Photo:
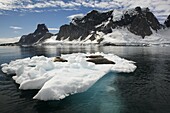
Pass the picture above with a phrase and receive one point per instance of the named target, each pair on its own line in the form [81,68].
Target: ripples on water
[147,90]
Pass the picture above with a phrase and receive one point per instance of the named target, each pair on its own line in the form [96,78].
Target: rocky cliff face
[80,28]
[39,35]
[143,22]
[167,22]
[138,21]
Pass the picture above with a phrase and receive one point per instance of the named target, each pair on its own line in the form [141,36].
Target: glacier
[57,80]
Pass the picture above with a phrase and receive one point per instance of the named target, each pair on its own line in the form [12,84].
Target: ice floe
[56,80]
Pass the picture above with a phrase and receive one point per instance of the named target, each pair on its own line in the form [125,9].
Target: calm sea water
[147,90]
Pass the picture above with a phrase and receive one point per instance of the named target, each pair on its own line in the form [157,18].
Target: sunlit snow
[56,80]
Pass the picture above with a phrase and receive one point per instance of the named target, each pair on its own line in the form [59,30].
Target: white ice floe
[56,80]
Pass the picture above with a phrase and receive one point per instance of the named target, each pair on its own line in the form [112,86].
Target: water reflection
[50,51]
[147,90]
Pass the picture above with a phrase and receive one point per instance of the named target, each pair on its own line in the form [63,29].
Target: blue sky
[19,17]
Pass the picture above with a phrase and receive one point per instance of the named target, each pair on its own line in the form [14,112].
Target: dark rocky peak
[96,15]
[73,32]
[82,27]
[92,13]
[138,9]
[39,35]
[140,26]
[143,22]
[91,16]
[127,16]
[41,28]
[167,21]
[152,21]
[94,18]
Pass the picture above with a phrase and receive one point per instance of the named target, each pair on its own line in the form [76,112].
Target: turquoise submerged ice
[56,80]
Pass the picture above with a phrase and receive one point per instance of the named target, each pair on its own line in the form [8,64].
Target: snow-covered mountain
[137,26]
[119,37]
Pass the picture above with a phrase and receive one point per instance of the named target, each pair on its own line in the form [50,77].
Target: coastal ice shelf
[57,80]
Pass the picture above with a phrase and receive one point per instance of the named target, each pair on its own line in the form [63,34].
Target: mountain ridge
[137,20]
[101,27]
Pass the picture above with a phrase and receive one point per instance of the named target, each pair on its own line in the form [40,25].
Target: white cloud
[29,4]
[15,27]
[49,5]
[105,4]
[75,16]
[53,29]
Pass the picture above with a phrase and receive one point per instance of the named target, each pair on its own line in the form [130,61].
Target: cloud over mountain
[53,29]
[157,6]
[75,16]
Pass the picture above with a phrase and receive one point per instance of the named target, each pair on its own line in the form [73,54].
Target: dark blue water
[147,90]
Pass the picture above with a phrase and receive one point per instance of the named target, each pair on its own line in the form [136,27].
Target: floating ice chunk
[73,81]
[56,80]
[47,65]
[33,74]
[83,63]
[75,65]
[34,84]
[71,60]
[4,65]
[9,70]
[20,70]
[42,71]
[126,68]
[39,58]
[21,78]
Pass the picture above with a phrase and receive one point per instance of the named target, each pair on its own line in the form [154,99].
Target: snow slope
[120,37]
[56,80]
[124,37]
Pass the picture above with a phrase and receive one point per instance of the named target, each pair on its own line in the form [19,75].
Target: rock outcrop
[167,22]
[80,28]
[143,22]
[40,34]
[138,21]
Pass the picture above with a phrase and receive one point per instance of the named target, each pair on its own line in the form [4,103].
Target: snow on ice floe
[56,80]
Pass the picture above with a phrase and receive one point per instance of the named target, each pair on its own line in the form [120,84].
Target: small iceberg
[62,76]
